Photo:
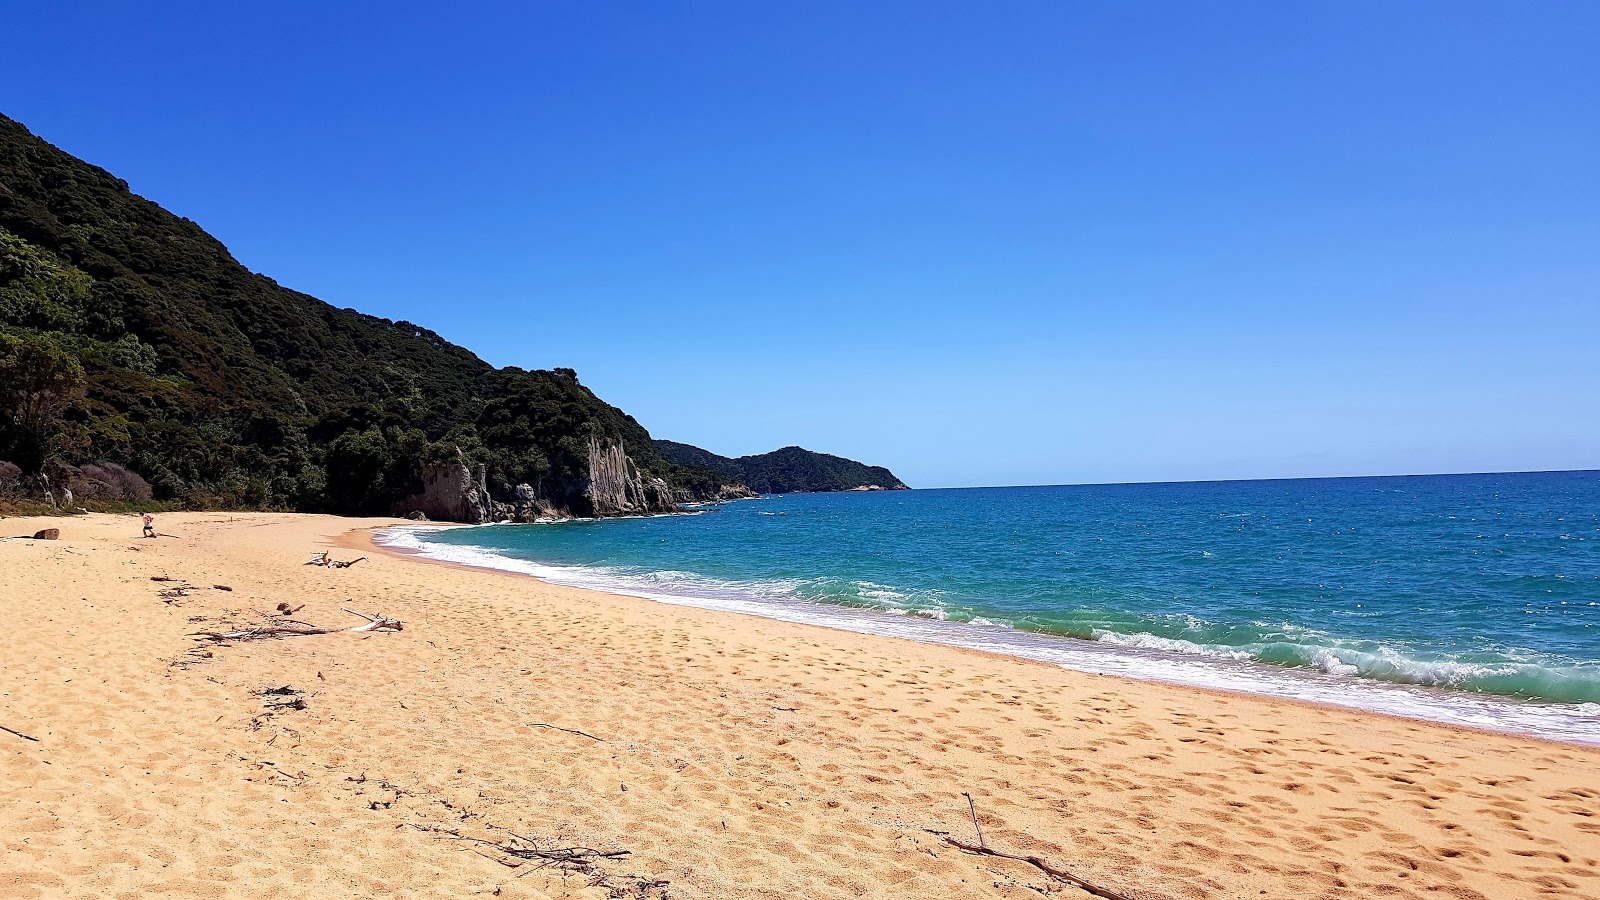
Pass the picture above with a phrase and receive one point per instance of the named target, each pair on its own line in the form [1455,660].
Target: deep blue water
[1484,586]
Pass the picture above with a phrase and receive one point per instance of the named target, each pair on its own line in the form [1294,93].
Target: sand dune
[731,756]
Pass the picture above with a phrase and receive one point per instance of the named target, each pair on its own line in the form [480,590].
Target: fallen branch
[975,826]
[569,731]
[1037,863]
[19,734]
[577,859]
[322,559]
[277,627]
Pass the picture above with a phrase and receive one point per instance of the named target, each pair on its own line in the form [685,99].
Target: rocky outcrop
[617,488]
[525,505]
[734,492]
[455,491]
[452,491]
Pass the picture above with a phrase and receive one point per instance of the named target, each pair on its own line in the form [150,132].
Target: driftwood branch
[973,807]
[19,734]
[1037,863]
[569,731]
[981,848]
[324,560]
[276,626]
[576,859]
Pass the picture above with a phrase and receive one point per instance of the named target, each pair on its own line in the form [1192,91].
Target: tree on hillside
[39,380]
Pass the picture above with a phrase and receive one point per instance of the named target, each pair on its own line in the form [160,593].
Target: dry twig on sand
[1039,864]
[569,731]
[278,626]
[973,807]
[18,734]
[983,849]
[575,860]
[322,559]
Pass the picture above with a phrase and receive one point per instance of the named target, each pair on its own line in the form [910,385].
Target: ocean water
[1472,599]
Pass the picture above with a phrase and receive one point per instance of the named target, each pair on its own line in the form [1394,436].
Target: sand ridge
[732,756]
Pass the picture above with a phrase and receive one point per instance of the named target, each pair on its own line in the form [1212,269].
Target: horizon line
[972,487]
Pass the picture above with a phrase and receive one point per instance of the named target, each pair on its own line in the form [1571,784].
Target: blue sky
[980,243]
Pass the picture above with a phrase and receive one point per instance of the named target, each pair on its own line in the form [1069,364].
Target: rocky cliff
[455,491]
[452,491]
[616,487]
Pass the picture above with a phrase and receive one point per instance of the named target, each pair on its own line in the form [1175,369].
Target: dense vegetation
[785,471]
[138,359]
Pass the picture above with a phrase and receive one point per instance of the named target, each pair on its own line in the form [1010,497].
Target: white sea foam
[1145,657]
[1170,645]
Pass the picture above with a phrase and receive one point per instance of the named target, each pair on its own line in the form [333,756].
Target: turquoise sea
[1472,599]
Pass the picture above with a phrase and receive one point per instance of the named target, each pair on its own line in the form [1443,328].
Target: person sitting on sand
[149,524]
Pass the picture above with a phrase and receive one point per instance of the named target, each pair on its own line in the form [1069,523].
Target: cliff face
[451,491]
[454,491]
[617,488]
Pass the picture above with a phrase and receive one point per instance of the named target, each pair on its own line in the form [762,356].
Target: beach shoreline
[1427,703]
[732,756]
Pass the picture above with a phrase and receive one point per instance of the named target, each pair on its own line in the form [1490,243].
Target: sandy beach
[728,756]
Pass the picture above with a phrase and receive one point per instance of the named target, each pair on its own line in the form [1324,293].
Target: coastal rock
[452,491]
[455,491]
[48,534]
[526,505]
[616,488]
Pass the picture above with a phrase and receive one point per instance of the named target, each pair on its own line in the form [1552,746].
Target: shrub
[109,482]
[10,481]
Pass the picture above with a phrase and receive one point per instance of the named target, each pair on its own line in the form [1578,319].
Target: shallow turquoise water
[1482,585]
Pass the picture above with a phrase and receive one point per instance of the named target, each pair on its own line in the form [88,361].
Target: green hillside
[786,471]
[131,338]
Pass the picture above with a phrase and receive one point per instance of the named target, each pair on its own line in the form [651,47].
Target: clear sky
[980,243]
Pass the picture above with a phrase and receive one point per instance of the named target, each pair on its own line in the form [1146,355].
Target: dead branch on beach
[327,562]
[569,731]
[576,860]
[180,588]
[981,848]
[973,808]
[1039,864]
[277,626]
[19,734]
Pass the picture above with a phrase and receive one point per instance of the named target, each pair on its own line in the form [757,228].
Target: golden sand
[731,756]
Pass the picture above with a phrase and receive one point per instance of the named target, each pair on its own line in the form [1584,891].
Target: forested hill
[786,471]
[134,348]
